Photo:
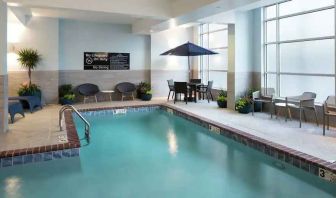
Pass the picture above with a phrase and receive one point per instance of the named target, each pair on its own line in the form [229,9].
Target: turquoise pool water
[155,154]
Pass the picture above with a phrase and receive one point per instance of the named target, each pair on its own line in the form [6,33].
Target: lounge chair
[329,110]
[264,96]
[126,89]
[15,107]
[305,101]
[30,102]
[88,90]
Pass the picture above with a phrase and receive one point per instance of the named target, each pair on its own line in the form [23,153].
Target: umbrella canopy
[189,49]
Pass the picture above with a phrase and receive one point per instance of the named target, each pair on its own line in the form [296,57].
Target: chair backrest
[180,87]
[308,95]
[267,91]
[88,89]
[195,80]
[171,84]
[256,94]
[209,87]
[125,87]
[330,103]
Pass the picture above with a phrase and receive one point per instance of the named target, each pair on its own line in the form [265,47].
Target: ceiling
[145,16]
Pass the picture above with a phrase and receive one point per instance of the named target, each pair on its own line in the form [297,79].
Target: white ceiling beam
[22,14]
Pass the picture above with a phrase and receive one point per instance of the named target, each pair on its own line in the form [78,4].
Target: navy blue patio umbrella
[189,49]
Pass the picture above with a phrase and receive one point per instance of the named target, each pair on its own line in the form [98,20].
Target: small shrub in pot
[222,99]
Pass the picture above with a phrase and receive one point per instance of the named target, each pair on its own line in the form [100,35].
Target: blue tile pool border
[45,153]
[38,157]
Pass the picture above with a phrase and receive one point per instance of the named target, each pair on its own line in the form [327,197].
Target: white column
[231,91]
[3,68]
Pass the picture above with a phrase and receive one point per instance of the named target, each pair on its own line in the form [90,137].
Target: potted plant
[144,91]
[222,99]
[29,59]
[243,105]
[66,95]
[147,96]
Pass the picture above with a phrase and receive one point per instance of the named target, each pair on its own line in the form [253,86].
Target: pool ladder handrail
[87,124]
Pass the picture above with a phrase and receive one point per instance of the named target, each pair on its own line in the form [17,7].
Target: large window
[299,47]
[214,67]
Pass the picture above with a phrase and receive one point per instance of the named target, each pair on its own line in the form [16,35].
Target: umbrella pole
[189,73]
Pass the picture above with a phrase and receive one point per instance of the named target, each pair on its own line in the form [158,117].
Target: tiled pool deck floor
[41,127]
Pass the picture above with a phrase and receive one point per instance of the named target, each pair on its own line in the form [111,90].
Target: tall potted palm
[29,59]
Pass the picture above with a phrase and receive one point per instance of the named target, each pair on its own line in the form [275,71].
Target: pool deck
[41,127]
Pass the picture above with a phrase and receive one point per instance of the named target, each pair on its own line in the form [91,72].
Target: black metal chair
[88,90]
[206,90]
[126,89]
[171,88]
[181,88]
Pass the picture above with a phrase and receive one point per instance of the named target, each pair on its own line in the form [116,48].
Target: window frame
[278,43]
[205,70]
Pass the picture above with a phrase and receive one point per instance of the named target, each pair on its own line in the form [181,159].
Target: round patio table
[108,92]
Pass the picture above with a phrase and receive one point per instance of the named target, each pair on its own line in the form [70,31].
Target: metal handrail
[87,124]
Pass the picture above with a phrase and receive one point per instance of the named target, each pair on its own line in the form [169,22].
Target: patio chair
[206,89]
[264,96]
[15,107]
[30,102]
[329,109]
[305,101]
[171,88]
[126,89]
[181,88]
[88,90]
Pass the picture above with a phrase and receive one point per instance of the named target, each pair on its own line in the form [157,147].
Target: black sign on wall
[106,61]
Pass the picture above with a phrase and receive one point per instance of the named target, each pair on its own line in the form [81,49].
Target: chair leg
[173,95]
[300,117]
[208,98]
[324,124]
[122,97]
[327,122]
[252,107]
[289,114]
[304,115]
[315,113]
[186,98]
[211,96]
[96,98]
[168,96]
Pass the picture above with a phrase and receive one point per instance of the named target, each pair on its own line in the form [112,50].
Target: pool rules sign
[106,61]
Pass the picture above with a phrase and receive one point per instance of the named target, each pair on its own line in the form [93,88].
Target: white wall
[166,40]
[77,37]
[168,67]
[41,34]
